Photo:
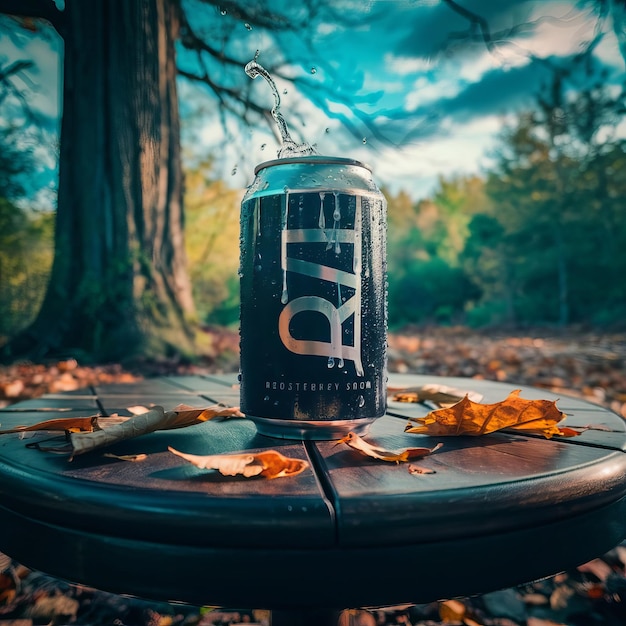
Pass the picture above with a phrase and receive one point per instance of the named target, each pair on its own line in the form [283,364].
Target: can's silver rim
[311,160]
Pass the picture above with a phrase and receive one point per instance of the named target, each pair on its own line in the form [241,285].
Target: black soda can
[313,316]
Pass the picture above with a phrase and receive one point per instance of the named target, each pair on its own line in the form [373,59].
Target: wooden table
[500,510]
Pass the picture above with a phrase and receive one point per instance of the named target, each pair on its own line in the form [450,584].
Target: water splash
[334,237]
[289,147]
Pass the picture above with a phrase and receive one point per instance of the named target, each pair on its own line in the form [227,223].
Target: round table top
[500,509]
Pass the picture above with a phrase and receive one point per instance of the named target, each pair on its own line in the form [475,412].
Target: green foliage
[540,240]
[25,262]
[212,243]
[426,280]
[550,248]
[25,240]
[429,291]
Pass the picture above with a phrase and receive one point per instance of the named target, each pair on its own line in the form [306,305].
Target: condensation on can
[313,313]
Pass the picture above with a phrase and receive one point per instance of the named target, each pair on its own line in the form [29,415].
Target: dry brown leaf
[90,433]
[470,418]
[67,424]
[440,395]
[187,415]
[416,470]
[396,456]
[127,457]
[269,464]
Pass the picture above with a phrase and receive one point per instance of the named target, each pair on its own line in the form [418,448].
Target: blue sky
[440,95]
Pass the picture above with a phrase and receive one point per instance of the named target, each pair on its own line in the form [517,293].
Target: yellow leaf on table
[269,464]
[376,452]
[471,418]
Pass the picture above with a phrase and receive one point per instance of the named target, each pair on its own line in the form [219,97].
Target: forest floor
[586,364]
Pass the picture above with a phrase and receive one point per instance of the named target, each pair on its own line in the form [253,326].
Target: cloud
[503,90]
[498,90]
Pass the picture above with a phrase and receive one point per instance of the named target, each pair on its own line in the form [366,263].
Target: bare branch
[477,22]
[14,68]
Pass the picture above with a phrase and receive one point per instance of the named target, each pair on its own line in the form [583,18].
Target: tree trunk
[119,285]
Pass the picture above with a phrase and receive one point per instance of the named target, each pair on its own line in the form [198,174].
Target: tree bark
[119,284]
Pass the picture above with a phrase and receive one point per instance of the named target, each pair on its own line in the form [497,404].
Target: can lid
[311,160]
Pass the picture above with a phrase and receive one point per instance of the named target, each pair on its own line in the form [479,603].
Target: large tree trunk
[119,285]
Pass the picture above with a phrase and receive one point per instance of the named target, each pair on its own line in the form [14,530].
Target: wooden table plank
[541,479]
[500,509]
[164,494]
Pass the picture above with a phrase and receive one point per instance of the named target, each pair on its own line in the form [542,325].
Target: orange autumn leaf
[471,418]
[268,464]
[68,424]
[376,452]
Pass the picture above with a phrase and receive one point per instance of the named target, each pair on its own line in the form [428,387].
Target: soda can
[313,314]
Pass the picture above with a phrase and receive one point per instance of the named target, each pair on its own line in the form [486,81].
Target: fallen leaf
[269,464]
[470,418]
[440,395]
[396,456]
[97,432]
[12,389]
[68,424]
[191,415]
[456,611]
[137,409]
[127,457]
[414,469]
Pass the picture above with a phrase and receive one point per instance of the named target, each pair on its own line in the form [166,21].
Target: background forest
[537,240]
[535,237]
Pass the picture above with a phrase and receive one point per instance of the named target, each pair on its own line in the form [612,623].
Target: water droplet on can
[364,139]
[248,27]
[331,361]
[223,11]
[263,146]
[361,401]
[285,92]
[233,171]
[327,130]
[266,399]
[313,70]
